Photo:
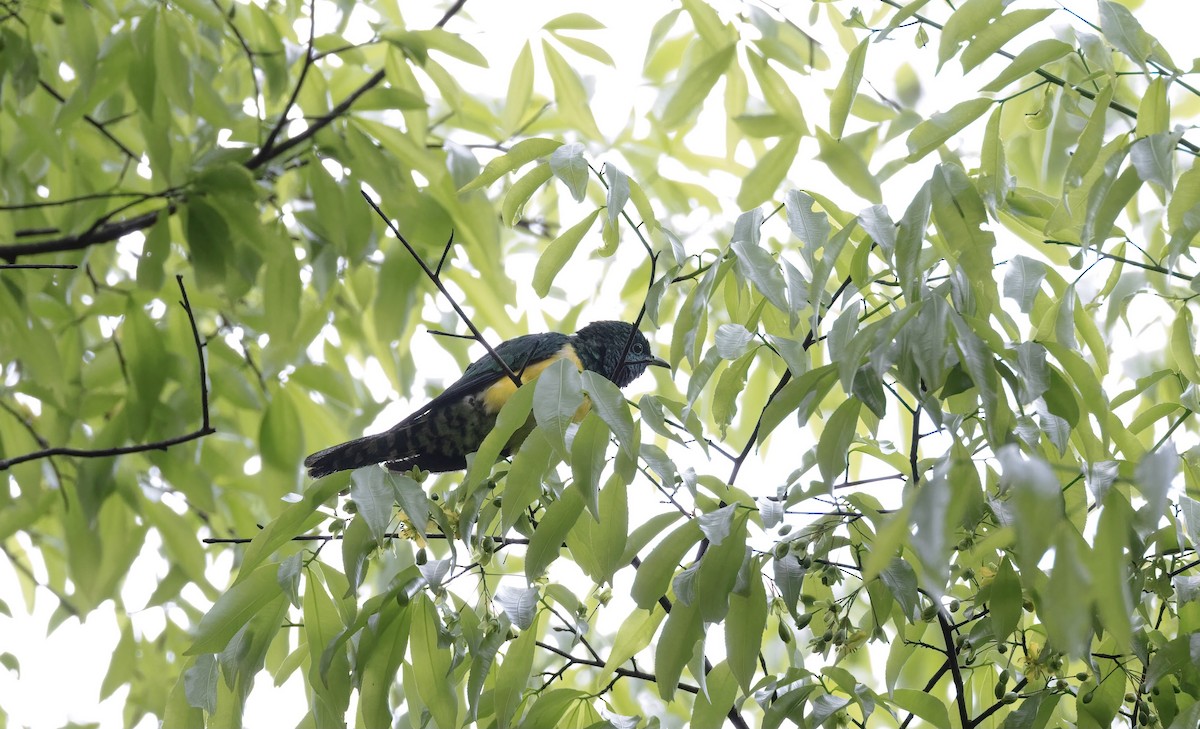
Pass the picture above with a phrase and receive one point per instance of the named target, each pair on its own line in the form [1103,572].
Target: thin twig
[268,146]
[502,541]
[37,265]
[97,125]
[437,281]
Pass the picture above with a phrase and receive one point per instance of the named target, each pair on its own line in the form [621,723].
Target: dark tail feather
[369,449]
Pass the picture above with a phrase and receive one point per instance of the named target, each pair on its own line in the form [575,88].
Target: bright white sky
[61,673]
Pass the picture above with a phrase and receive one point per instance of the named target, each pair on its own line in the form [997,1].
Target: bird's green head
[601,344]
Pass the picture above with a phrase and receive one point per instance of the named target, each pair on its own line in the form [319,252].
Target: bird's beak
[656,362]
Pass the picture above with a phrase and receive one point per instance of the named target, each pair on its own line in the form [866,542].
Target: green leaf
[695,86]
[1023,280]
[1153,476]
[718,571]
[569,93]
[656,570]
[551,531]
[568,165]
[295,519]
[200,683]
[777,92]
[965,22]
[1005,601]
[1123,30]
[925,705]
[716,525]
[512,417]
[588,458]
[608,402]
[1035,495]
[524,481]
[937,130]
[574,21]
[598,545]
[513,675]
[234,609]
[712,706]
[411,498]
[521,191]
[557,396]
[1038,54]
[800,396]
[762,270]
[618,191]
[998,33]
[1183,345]
[760,184]
[521,153]
[516,101]
[586,48]
[901,579]
[372,494]
[676,645]
[847,164]
[732,340]
[432,665]
[519,604]
[1110,569]
[744,626]
[847,89]
[837,435]
[559,252]
[634,635]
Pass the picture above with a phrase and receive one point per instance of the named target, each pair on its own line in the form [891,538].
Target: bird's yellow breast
[495,396]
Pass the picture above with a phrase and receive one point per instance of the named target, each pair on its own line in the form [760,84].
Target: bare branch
[437,281]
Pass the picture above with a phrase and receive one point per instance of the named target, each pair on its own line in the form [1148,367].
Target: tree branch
[960,699]
[160,445]
[437,281]
[1052,78]
[108,232]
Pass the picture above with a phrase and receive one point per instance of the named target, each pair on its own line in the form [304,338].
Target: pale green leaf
[691,90]
[937,130]
[559,252]
[760,184]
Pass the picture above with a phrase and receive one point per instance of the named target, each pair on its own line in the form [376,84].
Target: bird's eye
[636,348]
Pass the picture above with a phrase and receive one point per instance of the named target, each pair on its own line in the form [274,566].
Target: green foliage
[926,455]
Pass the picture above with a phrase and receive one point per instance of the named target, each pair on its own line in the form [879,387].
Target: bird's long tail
[369,449]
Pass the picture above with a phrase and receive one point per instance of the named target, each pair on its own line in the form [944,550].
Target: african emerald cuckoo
[439,436]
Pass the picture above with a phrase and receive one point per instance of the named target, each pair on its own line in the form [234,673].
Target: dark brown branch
[809,340]
[105,233]
[10,266]
[71,201]
[960,699]
[97,125]
[160,445]
[502,541]
[1052,78]
[309,60]
[437,281]
[983,715]
[109,232]
[241,39]
[1121,259]
[623,672]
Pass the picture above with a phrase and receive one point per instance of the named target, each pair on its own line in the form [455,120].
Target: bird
[439,436]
